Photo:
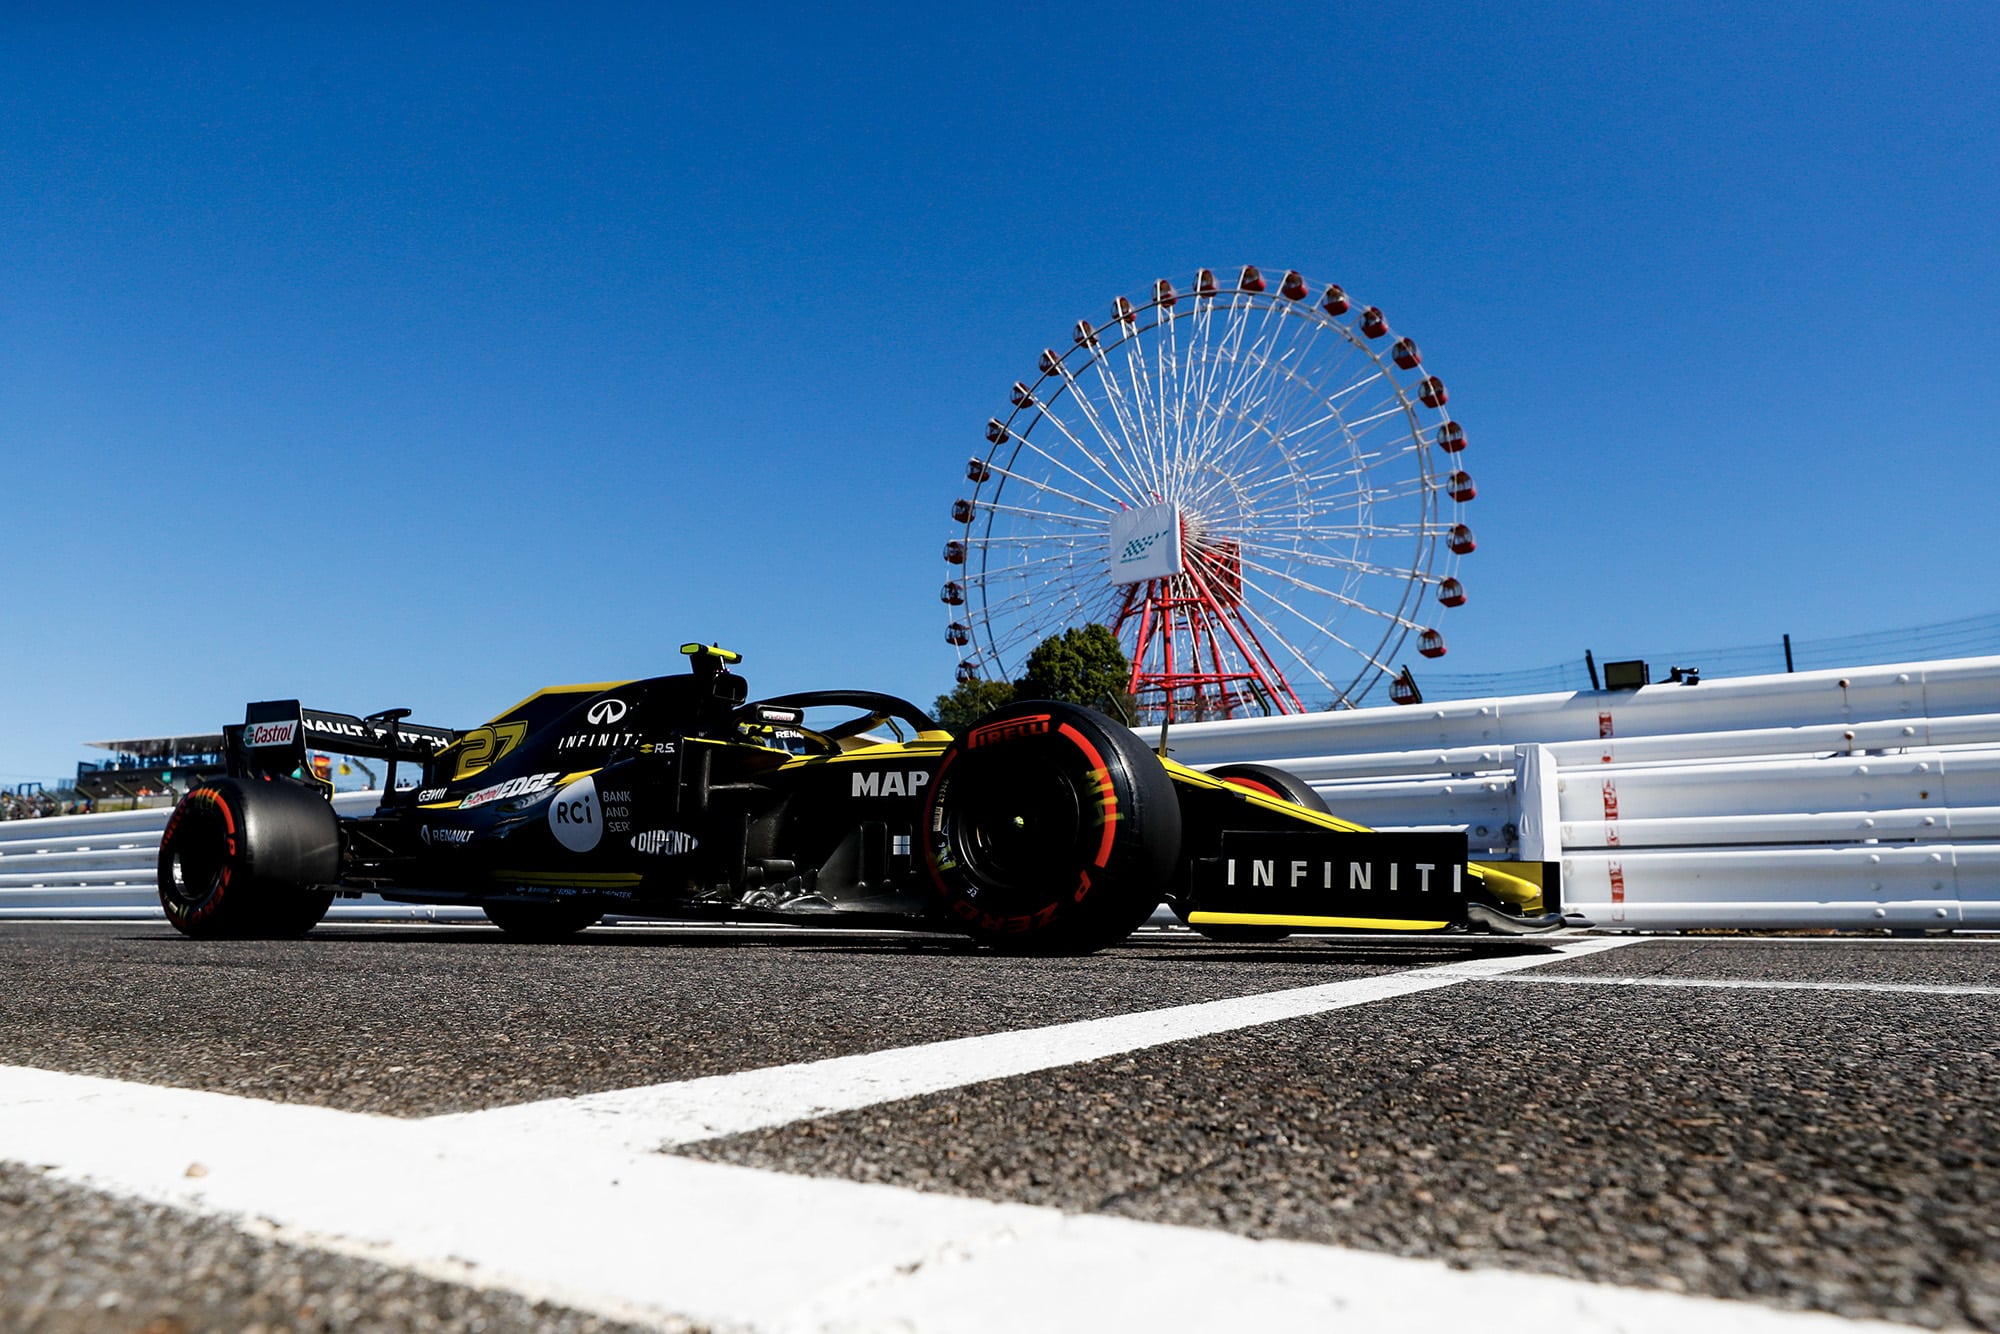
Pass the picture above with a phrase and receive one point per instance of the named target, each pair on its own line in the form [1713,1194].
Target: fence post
[1538,813]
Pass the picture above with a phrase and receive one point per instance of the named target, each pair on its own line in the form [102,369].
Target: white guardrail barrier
[104,866]
[1868,797]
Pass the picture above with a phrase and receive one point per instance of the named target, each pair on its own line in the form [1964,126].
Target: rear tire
[292,920]
[540,922]
[1050,829]
[246,860]
[1272,782]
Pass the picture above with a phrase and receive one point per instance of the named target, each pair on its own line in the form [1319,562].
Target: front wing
[1257,860]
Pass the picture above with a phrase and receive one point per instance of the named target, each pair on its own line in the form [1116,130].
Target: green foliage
[969,701]
[1084,665]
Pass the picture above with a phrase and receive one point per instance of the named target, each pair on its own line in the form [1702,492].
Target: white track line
[627,1234]
[537,1206]
[1745,984]
[663,1115]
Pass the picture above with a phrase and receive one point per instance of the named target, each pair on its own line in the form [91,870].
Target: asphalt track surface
[433,1128]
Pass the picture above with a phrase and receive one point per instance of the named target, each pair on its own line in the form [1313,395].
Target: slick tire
[1272,782]
[1049,829]
[248,860]
[542,922]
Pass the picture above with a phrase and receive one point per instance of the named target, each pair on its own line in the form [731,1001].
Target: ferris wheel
[1259,491]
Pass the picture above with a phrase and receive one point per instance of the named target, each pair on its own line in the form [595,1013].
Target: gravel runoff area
[75,1261]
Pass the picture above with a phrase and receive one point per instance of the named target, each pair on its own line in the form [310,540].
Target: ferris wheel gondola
[1258,491]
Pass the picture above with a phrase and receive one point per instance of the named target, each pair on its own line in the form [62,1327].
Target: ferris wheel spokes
[1286,450]
[1309,656]
[1134,487]
[1046,489]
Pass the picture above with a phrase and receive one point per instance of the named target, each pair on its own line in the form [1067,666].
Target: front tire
[1272,781]
[1050,829]
[246,860]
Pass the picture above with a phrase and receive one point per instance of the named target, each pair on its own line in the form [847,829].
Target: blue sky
[391,358]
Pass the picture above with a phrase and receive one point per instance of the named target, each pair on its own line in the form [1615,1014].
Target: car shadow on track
[669,938]
[1398,953]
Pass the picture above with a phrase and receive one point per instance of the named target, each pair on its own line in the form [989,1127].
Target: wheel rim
[198,865]
[1016,821]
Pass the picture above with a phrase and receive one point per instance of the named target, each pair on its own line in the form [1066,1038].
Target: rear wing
[272,739]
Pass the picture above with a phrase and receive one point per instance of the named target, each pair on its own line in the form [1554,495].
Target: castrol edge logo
[270,734]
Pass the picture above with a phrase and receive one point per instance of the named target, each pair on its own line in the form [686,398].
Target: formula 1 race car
[1046,828]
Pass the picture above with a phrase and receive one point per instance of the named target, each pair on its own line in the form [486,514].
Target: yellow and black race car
[1045,828]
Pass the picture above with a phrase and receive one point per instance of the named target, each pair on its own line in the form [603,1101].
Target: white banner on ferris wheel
[1145,544]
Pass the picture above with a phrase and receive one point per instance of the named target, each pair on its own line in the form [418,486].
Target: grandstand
[148,769]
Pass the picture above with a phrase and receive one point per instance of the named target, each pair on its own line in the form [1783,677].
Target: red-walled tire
[1272,782]
[243,860]
[1050,829]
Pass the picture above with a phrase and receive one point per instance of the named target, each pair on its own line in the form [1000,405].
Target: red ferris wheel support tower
[1194,653]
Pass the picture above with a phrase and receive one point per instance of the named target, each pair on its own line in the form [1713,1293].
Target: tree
[971,700]
[1083,665]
